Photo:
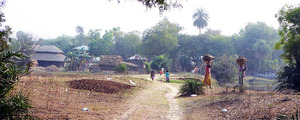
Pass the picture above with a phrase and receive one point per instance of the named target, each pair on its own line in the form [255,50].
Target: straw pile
[241,60]
[208,57]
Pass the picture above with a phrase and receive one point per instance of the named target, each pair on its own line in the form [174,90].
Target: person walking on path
[153,74]
[208,59]
[167,76]
[160,72]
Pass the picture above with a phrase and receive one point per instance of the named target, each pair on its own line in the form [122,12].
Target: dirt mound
[98,85]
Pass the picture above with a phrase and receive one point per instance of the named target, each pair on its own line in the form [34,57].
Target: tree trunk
[258,66]
[199,31]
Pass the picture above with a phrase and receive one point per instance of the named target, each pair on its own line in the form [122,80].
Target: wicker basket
[208,57]
[241,61]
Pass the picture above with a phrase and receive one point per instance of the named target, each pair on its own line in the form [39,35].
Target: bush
[161,61]
[147,67]
[11,106]
[225,70]
[289,78]
[122,68]
[191,86]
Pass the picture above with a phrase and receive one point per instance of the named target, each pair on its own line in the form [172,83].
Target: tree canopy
[289,19]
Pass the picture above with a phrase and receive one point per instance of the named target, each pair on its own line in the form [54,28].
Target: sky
[52,18]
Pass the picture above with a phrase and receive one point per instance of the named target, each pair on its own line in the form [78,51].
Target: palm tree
[200,18]
[262,50]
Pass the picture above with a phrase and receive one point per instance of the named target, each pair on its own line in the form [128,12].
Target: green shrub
[12,107]
[122,68]
[147,67]
[191,86]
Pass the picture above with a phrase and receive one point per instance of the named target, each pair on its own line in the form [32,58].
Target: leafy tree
[251,34]
[289,19]
[76,59]
[160,39]
[100,46]
[161,61]
[200,17]
[127,45]
[213,32]
[80,38]
[62,42]
[185,63]
[12,106]
[225,70]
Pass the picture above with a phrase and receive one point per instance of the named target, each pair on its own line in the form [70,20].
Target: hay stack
[241,60]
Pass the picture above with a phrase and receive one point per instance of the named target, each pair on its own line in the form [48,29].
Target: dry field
[52,98]
[64,95]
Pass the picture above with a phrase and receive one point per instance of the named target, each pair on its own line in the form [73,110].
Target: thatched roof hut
[110,59]
[137,57]
[48,49]
[109,62]
[49,55]
[137,60]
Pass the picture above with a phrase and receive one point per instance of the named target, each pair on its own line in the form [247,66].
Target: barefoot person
[153,74]
[208,59]
[167,76]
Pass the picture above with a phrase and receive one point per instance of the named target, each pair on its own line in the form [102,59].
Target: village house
[49,55]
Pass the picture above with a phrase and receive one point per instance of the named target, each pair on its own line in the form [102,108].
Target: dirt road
[158,101]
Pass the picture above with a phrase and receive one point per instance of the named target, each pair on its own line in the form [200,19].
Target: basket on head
[241,60]
[208,58]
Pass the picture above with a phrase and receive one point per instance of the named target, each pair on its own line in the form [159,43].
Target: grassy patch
[176,81]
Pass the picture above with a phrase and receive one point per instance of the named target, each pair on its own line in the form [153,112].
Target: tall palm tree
[200,18]
[261,51]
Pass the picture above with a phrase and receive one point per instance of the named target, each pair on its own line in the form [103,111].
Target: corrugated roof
[49,57]
[48,49]
[137,57]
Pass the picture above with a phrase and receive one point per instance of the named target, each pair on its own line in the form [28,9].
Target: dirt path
[158,101]
[174,113]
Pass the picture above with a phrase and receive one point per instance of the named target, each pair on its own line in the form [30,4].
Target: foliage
[191,86]
[200,17]
[80,38]
[247,43]
[147,67]
[62,42]
[162,5]
[122,68]
[195,46]
[161,61]
[225,70]
[213,32]
[289,19]
[288,78]
[24,43]
[100,45]
[76,59]
[127,45]
[262,50]
[11,106]
[185,62]
[160,39]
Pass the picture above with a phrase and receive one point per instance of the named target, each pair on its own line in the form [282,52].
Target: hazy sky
[51,18]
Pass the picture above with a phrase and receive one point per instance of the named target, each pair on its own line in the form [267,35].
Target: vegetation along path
[158,101]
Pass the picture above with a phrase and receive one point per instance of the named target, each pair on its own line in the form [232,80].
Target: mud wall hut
[49,55]
[137,60]
[109,62]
